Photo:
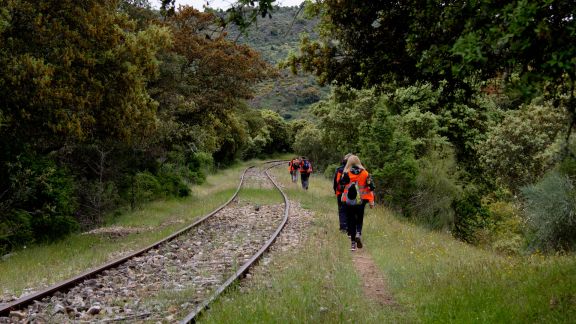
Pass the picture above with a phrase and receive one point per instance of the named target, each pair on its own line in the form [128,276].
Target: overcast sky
[222,4]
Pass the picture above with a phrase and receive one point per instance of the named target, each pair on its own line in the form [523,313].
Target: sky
[222,4]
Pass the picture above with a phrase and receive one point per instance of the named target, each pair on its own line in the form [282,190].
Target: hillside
[275,38]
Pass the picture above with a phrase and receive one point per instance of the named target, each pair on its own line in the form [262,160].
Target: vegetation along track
[198,262]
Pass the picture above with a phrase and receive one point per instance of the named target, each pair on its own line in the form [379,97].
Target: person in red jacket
[305,171]
[293,167]
[358,191]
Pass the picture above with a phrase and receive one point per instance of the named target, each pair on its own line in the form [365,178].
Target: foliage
[470,215]
[506,235]
[342,117]
[84,69]
[203,83]
[550,207]
[435,190]
[308,143]
[389,155]
[38,204]
[519,150]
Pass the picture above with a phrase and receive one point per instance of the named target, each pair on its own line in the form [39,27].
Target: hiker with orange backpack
[293,167]
[358,191]
[338,190]
[305,171]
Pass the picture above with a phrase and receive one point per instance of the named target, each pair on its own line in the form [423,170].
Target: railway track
[193,265]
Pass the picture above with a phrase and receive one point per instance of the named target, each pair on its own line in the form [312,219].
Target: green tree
[72,72]
[520,149]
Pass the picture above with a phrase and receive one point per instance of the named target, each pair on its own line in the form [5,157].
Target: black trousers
[354,218]
[304,177]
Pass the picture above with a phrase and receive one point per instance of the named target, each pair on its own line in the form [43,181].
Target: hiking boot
[353,247]
[358,240]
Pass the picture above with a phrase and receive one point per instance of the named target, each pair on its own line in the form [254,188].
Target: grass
[443,280]
[44,265]
[434,278]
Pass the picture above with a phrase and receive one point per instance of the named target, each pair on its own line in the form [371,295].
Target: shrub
[309,143]
[96,198]
[200,165]
[330,170]
[506,233]
[389,155]
[550,208]
[436,189]
[146,187]
[470,217]
[520,149]
[172,180]
[39,204]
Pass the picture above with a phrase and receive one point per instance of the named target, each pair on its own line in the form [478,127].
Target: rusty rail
[191,317]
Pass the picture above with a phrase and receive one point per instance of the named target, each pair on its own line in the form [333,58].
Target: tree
[72,72]
[204,80]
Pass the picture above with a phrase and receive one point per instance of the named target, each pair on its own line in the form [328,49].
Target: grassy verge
[433,277]
[48,264]
[443,280]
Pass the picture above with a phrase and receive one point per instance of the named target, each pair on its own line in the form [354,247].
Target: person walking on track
[338,189]
[358,191]
[305,171]
[293,167]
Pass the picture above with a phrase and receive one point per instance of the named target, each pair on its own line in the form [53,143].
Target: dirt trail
[373,282]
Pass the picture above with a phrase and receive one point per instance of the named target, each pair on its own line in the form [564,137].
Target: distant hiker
[358,191]
[305,170]
[293,167]
[338,190]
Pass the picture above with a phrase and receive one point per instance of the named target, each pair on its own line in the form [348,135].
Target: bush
[330,170]
[506,234]
[550,208]
[146,187]
[200,165]
[96,198]
[309,143]
[388,153]
[172,180]
[39,205]
[470,217]
[520,150]
[436,189]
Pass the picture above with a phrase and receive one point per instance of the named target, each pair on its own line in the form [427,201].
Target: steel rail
[69,283]
[191,317]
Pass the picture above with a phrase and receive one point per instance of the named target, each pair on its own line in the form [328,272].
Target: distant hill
[275,38]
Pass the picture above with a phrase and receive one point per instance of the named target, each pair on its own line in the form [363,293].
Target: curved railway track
[198,262]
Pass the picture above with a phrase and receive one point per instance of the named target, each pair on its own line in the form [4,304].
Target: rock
[94,310]
[17,314]
[169,318]
[58,309]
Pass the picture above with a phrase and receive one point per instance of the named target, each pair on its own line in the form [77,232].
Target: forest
[463,111]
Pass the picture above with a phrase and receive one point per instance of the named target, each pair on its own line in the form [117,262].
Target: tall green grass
[444,280]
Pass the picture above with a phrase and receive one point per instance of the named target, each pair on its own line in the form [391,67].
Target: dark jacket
[339,169]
